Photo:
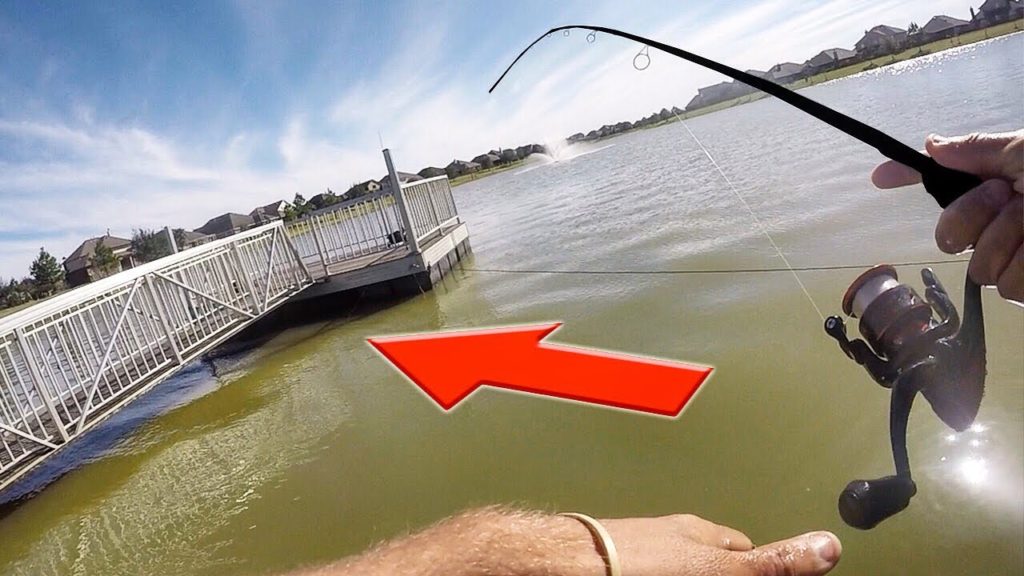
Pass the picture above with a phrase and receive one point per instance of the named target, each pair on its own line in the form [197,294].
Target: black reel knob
[865,503]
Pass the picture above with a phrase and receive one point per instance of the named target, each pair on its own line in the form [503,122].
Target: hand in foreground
[524,543]
[686,544]
[989,218]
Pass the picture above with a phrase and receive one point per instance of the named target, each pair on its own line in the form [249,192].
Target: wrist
[584,551]
[602,540]
[516,543]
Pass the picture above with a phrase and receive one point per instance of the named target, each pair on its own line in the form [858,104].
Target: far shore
[909,54]
[453,182]
[882,61]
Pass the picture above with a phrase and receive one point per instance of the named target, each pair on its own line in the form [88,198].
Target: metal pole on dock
[170,240]
[396,190]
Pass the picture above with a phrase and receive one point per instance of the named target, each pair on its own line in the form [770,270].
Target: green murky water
[310,447]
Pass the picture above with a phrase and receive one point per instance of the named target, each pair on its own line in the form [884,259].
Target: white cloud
[92,175]
[119,178]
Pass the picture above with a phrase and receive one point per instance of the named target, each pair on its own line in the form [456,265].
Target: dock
[70,362]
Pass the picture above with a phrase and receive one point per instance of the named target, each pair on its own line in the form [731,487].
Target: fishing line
[753,216]
[585,272]
[944,184]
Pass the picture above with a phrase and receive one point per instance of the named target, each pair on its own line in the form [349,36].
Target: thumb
[986,155]
[808,555]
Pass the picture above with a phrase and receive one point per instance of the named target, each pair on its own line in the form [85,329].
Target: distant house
[323,200]
[993,12]
[193,239]
[524,151]
[431,172]
[786,72]
[487,160]
[80,267]
[226,225]
[830,60]
[460,168]
[403,179]
[942,27]
[757,73]
[881,40]
[269,213]
[362,189]
[713,94]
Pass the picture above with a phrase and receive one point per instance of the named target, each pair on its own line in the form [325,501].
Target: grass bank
[483,173]
[13,309]
[916,52]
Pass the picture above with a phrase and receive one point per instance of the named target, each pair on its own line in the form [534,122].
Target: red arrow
[448,366]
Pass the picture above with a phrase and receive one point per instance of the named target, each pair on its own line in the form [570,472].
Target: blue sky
[120,115]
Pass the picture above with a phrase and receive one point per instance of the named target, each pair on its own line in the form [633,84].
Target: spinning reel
[908,351]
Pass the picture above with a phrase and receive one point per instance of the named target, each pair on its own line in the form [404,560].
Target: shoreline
[972,37]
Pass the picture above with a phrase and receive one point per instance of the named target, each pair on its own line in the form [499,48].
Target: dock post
[396,190]
[170,240]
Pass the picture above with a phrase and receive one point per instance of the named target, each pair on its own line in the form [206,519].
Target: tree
[913,28]
[323,200]
[103,259]
[47,274]
[298,209]
[149,245]
[179,238]
[13,294]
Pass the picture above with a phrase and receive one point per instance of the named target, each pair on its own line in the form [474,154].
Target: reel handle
[865,503]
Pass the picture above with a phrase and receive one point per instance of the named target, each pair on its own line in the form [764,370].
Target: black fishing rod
[905,348]
[944,184]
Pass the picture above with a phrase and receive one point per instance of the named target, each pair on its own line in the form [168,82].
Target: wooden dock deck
[363,241]
[405,270]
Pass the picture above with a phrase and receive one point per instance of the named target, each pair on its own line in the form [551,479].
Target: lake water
[311,447]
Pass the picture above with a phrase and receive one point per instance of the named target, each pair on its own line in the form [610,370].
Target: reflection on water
[969,466]
[974,471]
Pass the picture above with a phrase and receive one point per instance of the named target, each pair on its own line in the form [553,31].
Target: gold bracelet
[605,545]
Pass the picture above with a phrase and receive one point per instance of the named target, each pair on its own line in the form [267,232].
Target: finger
[710,534]
[998,243]
[732,539]
[808,555]
[987,155]
[892,174]
[1011,282]
[962,222]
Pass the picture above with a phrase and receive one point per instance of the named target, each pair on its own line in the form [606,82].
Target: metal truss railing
[68,362]
[347,230]
[431,206]
[372,224]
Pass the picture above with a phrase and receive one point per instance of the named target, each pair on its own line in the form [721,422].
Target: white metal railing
[68,361]
[431,206]
[348,230]
[372,224]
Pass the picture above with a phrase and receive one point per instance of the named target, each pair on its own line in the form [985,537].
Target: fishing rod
[905,348]
[944,184]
